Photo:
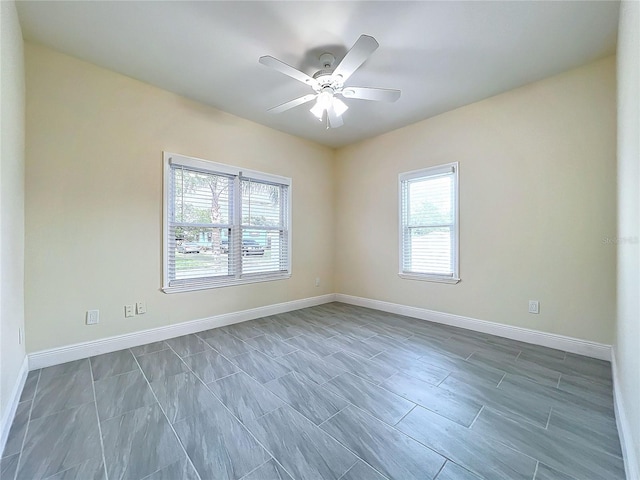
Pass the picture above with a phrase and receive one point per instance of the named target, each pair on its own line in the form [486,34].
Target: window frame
[207,166]
[434,171]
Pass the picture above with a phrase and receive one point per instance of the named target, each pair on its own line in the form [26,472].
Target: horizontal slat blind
[429,215]
[224,228]
[264,227]
[199,222]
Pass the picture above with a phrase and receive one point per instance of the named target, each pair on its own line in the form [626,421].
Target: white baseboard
[55,356]
[10,411]
[560,342]
[69,353]
[631,465]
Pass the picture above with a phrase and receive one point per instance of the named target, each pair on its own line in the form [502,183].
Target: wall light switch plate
[128,311]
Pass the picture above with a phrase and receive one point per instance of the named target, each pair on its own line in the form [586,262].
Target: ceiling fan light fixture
[318,110]
[325,97]
[339,106]
[324,101]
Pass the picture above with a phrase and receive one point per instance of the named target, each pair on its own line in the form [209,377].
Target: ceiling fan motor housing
[325,78]
[327,60]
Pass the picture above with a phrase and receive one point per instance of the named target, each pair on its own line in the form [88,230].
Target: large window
[223,225]
[429,224]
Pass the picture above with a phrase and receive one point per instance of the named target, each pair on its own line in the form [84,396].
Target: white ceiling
[442,55]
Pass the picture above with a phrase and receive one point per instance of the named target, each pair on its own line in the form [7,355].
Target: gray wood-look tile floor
[330,392]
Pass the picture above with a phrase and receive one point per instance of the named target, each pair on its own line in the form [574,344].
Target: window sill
[206,286]
[429,278]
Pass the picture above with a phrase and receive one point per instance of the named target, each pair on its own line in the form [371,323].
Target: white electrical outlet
[93,317]
[317,281]
[128,311]
[141,308]
[534,306]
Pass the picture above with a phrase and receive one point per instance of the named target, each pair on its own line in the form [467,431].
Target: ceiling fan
[328,83]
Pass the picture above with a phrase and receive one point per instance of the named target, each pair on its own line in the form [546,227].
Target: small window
[429,224]
[223,225]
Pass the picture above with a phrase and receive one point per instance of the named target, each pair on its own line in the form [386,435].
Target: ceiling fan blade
[364,46]
[335,120]
[292,103]
[370,93]
[288,70]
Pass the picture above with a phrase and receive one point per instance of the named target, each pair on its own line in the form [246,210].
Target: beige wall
[12,92]
[628,325]
[537,199]
[94,201]
[537,176]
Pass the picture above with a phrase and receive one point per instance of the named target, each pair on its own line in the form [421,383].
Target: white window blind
[429,224]
[264,224]
[223,225]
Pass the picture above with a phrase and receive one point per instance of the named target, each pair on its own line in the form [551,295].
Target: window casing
[429,232]
[223,225]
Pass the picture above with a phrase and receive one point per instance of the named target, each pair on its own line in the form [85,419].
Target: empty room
[325,240]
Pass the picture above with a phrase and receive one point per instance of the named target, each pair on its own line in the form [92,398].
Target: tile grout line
[146,477]
[511,447]
[441,468]
[165,413]
[330,417]
[403,417]
[445,456]
[535,472]
[350,468]
[503,377]
[148,353]
[117,374]
[255,469]
[393,427]
[412,401]
[250,432]
[95,404]
[221,378]
[284,404]
[224,406]
[546,427]
[476,417]
[443,380]
[24,439]
[360,459]
[316,426]
[226,357]
[348,449]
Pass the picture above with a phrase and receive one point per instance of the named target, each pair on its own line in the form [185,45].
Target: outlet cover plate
[93,317]
[534,306]
[141,308]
